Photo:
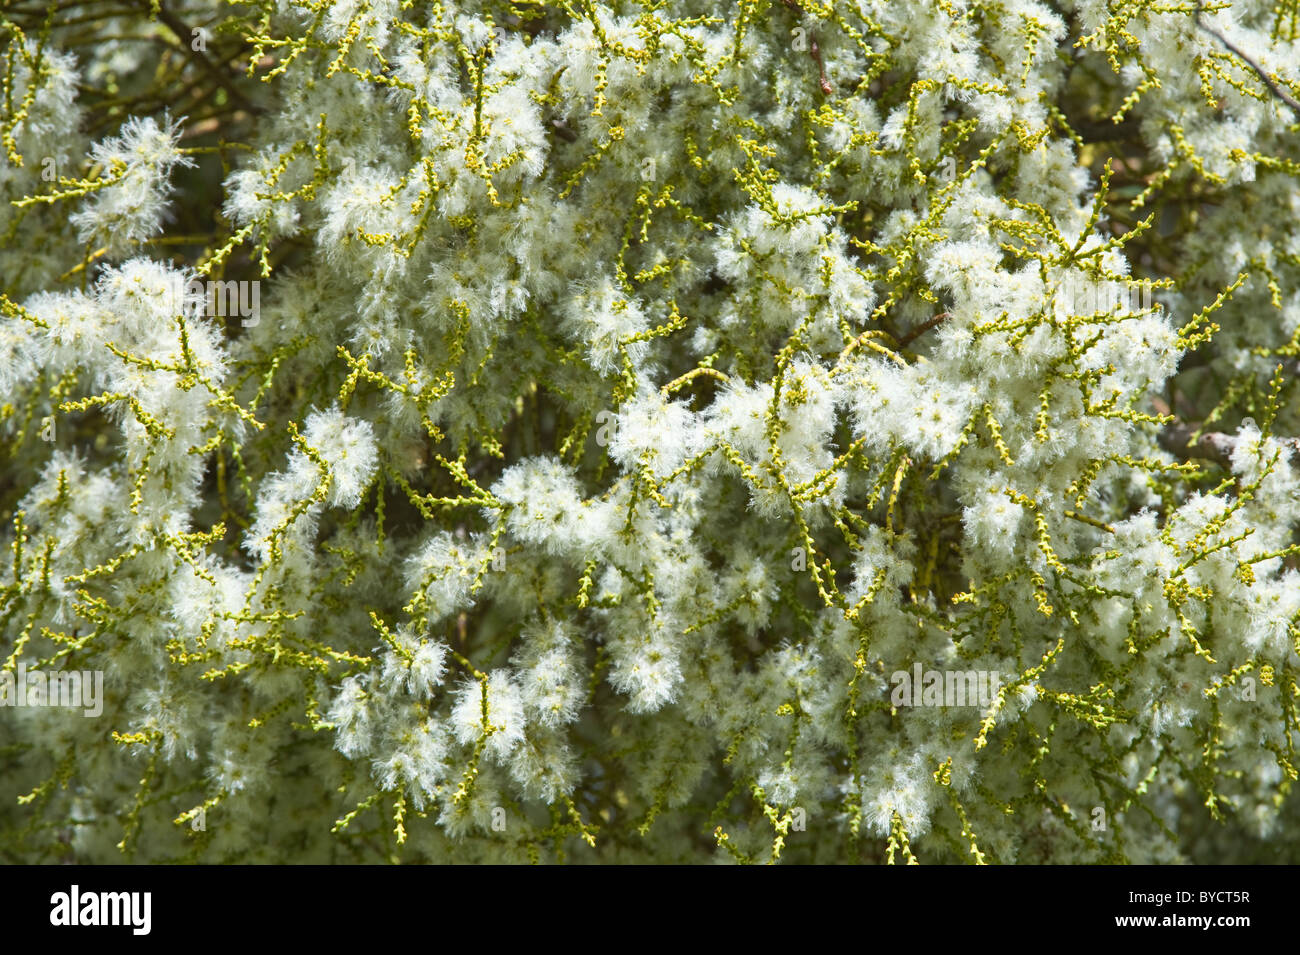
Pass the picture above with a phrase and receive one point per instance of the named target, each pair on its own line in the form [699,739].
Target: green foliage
[555,431]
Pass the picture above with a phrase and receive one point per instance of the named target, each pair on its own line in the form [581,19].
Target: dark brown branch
[815,52]
[1216,446]
[921,329]
[1268,81]
[813,48]
[186,35]
[1209,446]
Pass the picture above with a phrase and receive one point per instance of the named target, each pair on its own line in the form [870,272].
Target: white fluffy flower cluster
[137,165]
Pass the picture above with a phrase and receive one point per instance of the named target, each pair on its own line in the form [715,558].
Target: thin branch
[1210,445]
[185,35]
[921,330]
[1217,446]
[1273,86]
[814,51]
